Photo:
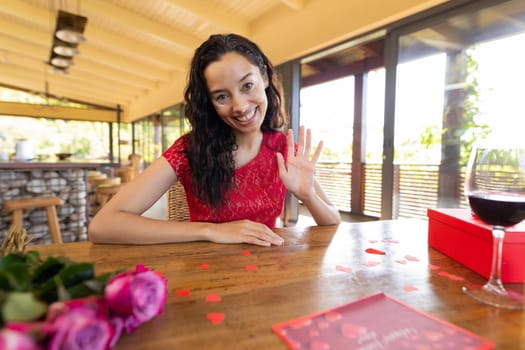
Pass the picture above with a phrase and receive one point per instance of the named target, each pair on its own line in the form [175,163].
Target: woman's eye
[248,86]
[221,98]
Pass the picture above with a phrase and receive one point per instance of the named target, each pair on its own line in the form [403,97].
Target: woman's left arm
[297,175]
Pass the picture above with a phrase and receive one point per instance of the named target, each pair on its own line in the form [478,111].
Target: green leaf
[46,271]
[9,260]
[76,273]
[67,277]
[16,277]
[22,307]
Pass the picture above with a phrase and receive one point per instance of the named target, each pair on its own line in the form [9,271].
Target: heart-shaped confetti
[204,266]
[434,267]
[213,298]
[409,288]
[343,268]
[411,258]
[251,267]
[245,253]
[375,251]
[215,317]
[182,292]
[451,276]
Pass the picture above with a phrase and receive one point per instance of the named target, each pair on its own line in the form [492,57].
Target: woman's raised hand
[298,172]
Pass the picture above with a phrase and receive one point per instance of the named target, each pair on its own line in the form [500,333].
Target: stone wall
[69,184]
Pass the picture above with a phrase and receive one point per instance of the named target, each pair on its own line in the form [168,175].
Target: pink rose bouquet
[66,307]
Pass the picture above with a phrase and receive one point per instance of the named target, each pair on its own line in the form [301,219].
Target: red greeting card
[376,322]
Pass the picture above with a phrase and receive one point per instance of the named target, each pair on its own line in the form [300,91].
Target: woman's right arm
[120,221]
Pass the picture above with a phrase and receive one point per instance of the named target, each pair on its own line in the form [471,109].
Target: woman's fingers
[317,153]
[291,145]
[246,231]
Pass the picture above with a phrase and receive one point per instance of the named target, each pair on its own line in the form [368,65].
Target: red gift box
[466,239]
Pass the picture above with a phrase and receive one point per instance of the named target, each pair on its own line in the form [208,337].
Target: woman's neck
[248,147]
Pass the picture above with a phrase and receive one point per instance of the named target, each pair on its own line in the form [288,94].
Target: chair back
[48,203]
[177,203]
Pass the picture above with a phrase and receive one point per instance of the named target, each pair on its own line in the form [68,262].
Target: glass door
[459,79]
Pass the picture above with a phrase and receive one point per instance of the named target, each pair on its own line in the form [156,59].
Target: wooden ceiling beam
[294,4]
[215,15]
[134,20]
[43,111]
[120,45]
[25,85]
[63,87]
[37,71]
[21,49]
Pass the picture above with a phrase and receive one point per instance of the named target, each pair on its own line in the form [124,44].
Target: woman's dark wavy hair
[211,141]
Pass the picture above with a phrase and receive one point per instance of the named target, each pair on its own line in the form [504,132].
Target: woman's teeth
[247,117]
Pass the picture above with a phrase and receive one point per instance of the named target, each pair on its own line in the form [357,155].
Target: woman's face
[237,91]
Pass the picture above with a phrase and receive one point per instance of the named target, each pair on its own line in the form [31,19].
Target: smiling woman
[235,164]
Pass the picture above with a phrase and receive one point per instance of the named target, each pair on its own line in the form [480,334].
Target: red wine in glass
[498,210]
[495,188]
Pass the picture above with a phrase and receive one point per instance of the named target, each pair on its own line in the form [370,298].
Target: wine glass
[495,188]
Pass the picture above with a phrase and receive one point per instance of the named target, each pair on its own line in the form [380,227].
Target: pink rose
[136,296]
[81,324]
[15,340]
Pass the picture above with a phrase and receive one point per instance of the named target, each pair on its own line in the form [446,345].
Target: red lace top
[258,194]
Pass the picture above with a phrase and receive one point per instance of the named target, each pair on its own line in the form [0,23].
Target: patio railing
[416,188]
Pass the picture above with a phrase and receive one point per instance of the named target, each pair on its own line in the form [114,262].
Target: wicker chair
[177,204]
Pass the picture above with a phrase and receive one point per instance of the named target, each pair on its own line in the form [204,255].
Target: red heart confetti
[213,298]
[411,258]
[343,268]
[251,267]
[433,267]
[215,317]
[409,288]
[182,293]
[371,263]
[451,276]
[245,253]
[375,251]
[204,266]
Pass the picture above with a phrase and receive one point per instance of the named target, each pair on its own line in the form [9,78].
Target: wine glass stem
[498,233]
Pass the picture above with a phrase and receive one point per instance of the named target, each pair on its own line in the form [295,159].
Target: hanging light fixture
[65,49]
[68,34]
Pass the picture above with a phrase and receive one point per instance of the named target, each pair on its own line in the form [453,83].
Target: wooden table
[293,280]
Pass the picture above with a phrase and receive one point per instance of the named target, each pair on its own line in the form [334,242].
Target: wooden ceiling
[139,50]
